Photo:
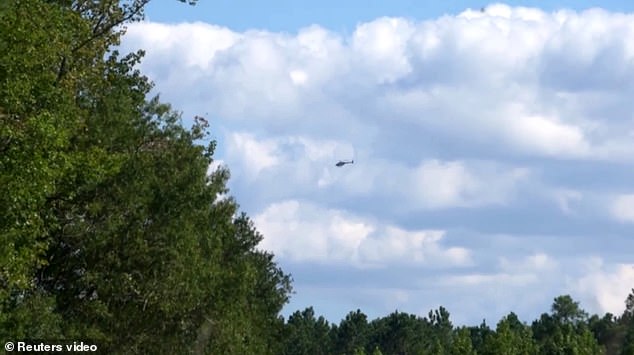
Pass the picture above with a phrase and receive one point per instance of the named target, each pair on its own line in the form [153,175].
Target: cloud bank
[492,150]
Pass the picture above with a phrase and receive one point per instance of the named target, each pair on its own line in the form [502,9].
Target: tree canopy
[567,329]
[112,229]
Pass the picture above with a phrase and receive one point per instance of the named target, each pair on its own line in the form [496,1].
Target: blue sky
[289,15]
[493,150]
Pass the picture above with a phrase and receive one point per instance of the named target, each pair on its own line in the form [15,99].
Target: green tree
[441,325]
[565,331]
[400,333]
[38,117]
[565,310]
[306,335]
[479,336]
[511,337]
[352,333]
[461,343]
[628,314]
[626,326]
[111,228]
[607,331]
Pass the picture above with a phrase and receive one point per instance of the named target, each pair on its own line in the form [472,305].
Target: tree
[564,330]
[111,228]
[511,337]
[38,116]
[306,334]
[441,325]
[400,333]
[479,336]
[607,332]
[461,343]
[629,306]
[352,333]
[566,310]
[626,325]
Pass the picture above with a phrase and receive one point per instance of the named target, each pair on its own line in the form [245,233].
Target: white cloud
[606,287]
[443,118]
[565,198]
[298,77]
[498,279]
[380,47]
[459,74]
[302,163]
[535,263]
[464,184]
[548,137]
[306,166]
[519,272]
[432,184]
[197,44]
[444,184]
[623,208]
[302,231]
[253,154]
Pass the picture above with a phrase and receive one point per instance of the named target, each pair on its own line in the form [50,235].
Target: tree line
[566,329]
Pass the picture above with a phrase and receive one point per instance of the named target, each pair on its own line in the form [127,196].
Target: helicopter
[344,162]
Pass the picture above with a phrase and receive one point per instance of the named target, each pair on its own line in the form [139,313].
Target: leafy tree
[36,119]
[111,228]
[352,333]
[607,332]
[567,329]
[400,333]
[441,325]
[564,330]
[305,334]
[511,337]
[461,343]
[566,310]
[626,325]
[628,344]
[479,336]
[628,314]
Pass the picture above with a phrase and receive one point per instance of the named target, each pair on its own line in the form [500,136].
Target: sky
[493,150]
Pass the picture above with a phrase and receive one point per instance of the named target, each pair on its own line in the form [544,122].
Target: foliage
[306,334]
[112,229]
[567,329]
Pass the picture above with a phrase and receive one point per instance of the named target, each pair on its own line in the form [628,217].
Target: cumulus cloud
[302,231]
[454,183]
[623,208]
[306,165]
[606,287]
[464,75]
[255,155]
[512,120]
